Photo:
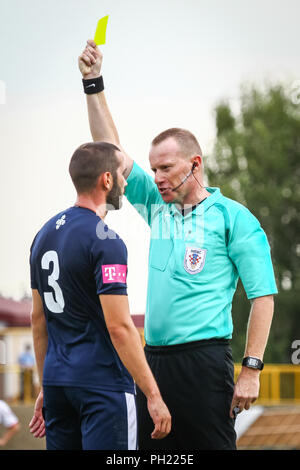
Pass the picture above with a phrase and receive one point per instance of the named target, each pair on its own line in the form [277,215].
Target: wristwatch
[253,363]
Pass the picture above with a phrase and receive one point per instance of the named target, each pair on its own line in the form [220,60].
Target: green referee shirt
[195,262]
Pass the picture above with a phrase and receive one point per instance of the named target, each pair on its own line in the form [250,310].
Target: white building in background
[15,334]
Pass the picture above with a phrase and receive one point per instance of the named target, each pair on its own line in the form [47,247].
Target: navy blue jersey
[74,258]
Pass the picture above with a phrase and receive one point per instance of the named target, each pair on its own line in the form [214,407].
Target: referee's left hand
[246,390]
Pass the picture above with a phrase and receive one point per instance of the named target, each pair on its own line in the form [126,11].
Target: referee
[201,244]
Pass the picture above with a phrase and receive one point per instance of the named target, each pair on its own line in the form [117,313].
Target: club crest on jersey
[194,259]
[61,221]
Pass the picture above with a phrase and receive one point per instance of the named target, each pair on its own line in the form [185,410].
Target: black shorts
[196,381]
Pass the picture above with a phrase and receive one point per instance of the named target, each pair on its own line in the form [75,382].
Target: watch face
[252,362]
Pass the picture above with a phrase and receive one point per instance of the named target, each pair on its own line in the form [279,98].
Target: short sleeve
[110,265]
[141,191]
[7,417]
[250,252]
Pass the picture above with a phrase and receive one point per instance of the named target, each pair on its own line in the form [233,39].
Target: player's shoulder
[108,247]
[52,224]
[78,226]
[106,238]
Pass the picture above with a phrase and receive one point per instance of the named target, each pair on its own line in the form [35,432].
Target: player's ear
[106,180]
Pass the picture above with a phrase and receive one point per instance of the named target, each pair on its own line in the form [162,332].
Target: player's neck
[99,206]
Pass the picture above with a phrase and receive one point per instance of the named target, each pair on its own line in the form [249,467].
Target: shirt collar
[210,200]
[201,208]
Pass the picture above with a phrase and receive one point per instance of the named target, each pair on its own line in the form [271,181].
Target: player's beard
[114,198]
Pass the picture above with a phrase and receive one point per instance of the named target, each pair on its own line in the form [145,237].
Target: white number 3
[55,305]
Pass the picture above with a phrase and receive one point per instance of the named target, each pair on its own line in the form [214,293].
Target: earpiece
[187,176]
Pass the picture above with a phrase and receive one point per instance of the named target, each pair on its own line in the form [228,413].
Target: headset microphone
[186,177]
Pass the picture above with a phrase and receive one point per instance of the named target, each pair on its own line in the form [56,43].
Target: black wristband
[93,85]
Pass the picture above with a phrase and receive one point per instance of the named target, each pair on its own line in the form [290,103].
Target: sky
[166,64]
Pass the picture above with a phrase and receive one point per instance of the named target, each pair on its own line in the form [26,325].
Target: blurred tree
[256,161]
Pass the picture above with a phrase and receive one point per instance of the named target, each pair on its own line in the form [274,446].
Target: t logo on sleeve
[114,273]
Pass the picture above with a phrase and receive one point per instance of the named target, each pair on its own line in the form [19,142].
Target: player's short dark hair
[89,161]
[186,140]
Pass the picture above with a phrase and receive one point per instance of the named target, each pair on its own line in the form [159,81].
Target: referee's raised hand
[90,60]
[160,416]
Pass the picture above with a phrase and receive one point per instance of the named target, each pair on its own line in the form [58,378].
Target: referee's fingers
[248,403]
[235,408]
[92,51]
[91,42]
[85,59]
[89,55]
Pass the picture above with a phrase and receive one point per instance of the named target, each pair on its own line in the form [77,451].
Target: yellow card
[101,31]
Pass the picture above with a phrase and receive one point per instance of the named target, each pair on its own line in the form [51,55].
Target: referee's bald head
[187,142]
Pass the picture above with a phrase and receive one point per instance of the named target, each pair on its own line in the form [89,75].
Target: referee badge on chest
[194,259]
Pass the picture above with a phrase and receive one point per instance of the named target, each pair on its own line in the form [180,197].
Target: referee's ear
[197,162]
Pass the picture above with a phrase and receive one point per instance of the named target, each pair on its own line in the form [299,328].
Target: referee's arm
[260,319]
[247,386]
[102,126]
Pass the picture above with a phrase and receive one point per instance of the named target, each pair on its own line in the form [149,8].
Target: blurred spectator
[9,421]
[26,362]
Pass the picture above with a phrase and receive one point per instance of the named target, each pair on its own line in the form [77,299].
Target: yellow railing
[279,384]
